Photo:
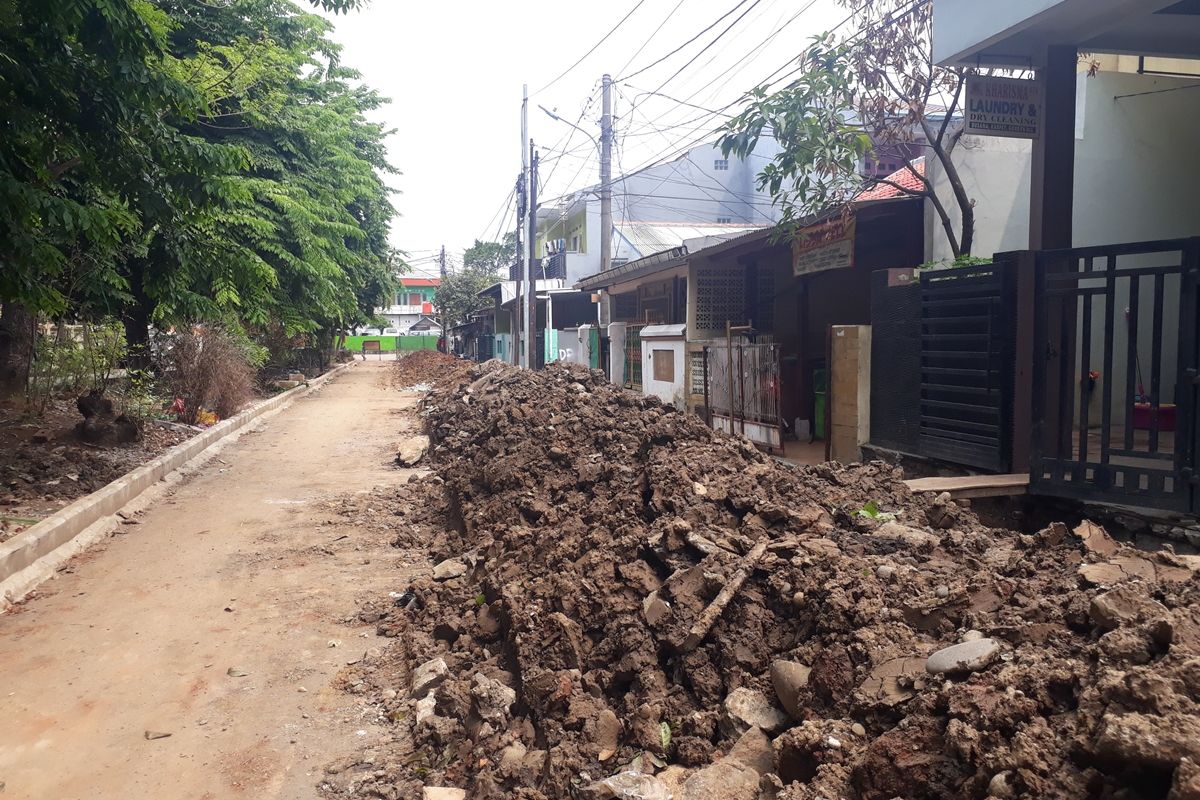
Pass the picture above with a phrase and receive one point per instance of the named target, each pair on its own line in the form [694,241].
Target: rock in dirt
[746,708]
[449,569]
[958,659]
[443,793]
[428,676]
[1125,604]
[755,751]
[627,786]
[608,734]
[412,450]
[726,779]
[789,679]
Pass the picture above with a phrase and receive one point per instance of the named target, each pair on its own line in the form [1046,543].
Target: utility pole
[531,266]
[523,270]
[520,256]
[442,262]
[606,222]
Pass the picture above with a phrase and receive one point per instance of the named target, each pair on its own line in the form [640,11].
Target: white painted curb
[34,555]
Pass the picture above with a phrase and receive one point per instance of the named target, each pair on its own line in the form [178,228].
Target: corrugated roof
[902,177]
[655,237]
[420,281]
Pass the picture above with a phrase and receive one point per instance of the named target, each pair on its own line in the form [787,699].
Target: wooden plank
[967,486]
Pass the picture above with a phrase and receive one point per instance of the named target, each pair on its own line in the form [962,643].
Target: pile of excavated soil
[626,604]
[428,368]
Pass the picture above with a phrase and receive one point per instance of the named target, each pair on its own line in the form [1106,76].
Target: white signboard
[1004,107]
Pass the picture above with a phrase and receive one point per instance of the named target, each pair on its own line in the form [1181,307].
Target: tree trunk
[18,326]
[136,319]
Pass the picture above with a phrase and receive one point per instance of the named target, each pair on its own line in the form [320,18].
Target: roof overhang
[1016,33]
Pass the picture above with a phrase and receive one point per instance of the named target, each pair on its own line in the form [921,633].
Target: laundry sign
[1004,107]
[826,245]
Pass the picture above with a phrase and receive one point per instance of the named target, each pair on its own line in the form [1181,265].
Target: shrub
[210,369]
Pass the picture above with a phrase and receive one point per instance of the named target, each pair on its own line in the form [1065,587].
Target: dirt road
[220,619]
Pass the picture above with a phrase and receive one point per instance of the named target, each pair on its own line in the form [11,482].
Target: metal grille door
[742,391]
[968,326]
[1115,371]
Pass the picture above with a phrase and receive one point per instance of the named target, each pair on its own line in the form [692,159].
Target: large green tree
[172,160]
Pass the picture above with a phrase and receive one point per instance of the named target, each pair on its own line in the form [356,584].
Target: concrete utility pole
[522,268]
[519,255]
[442,261]
[531,266]
[606,177]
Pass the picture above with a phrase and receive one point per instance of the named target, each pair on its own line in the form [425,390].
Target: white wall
[1137,167]
[995,173]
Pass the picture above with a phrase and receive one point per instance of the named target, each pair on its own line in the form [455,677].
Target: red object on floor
[1143,415]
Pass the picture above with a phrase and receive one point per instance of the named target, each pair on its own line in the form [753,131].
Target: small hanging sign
[1009,107]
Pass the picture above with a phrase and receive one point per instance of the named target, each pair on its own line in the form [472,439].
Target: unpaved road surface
[221,619]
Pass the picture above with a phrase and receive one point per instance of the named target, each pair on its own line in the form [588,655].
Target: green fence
[390,344]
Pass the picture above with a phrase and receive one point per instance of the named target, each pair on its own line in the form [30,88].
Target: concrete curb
[33,555]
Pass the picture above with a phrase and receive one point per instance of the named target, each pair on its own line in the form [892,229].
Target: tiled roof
[901,177]
[409,282]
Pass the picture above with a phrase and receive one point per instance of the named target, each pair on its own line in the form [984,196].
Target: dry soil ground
[220,619]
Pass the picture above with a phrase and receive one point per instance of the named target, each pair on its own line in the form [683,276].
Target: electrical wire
[603,39]
[714,24]
[650,38]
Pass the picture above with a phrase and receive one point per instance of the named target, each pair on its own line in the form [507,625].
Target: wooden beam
[966,486]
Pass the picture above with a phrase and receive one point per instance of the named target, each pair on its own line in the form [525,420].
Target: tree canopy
[483,265]
[876,90]
[166,161]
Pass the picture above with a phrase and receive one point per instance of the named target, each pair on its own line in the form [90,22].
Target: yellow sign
[825,246]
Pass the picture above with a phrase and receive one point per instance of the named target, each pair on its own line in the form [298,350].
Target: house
[737,328]
[699,193]
[412,306]
[1097,247]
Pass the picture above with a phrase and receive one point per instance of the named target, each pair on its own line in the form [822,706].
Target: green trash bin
[820,392]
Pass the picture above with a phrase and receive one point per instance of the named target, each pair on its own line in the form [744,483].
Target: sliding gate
[1115,374]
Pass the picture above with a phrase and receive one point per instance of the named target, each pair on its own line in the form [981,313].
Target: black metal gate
[1115,374]
[968,326]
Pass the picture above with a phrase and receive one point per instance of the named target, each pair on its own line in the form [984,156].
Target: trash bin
[820,383]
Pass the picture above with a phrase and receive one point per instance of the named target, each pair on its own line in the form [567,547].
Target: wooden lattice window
[720,297]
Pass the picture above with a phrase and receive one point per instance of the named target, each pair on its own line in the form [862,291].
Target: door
[1115,367]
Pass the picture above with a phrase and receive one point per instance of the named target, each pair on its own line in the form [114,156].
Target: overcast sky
[454,69]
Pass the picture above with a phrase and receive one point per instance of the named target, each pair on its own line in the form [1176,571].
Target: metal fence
[633,357]
[742,391]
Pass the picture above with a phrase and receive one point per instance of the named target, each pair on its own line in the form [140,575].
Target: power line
[603,39]
[714,24]
[650,38]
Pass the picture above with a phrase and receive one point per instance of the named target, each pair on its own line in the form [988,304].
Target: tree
[875,90]
[167,161]
[483,262]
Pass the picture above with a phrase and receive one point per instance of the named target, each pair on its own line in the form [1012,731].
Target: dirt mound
[429,368]
[629,605]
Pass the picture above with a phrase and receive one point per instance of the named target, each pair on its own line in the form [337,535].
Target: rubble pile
[626,604]
[428,368]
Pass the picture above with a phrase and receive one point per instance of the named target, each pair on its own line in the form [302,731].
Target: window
[721,164]
[574,244]
[664,365]
[414,298]
[724,220]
